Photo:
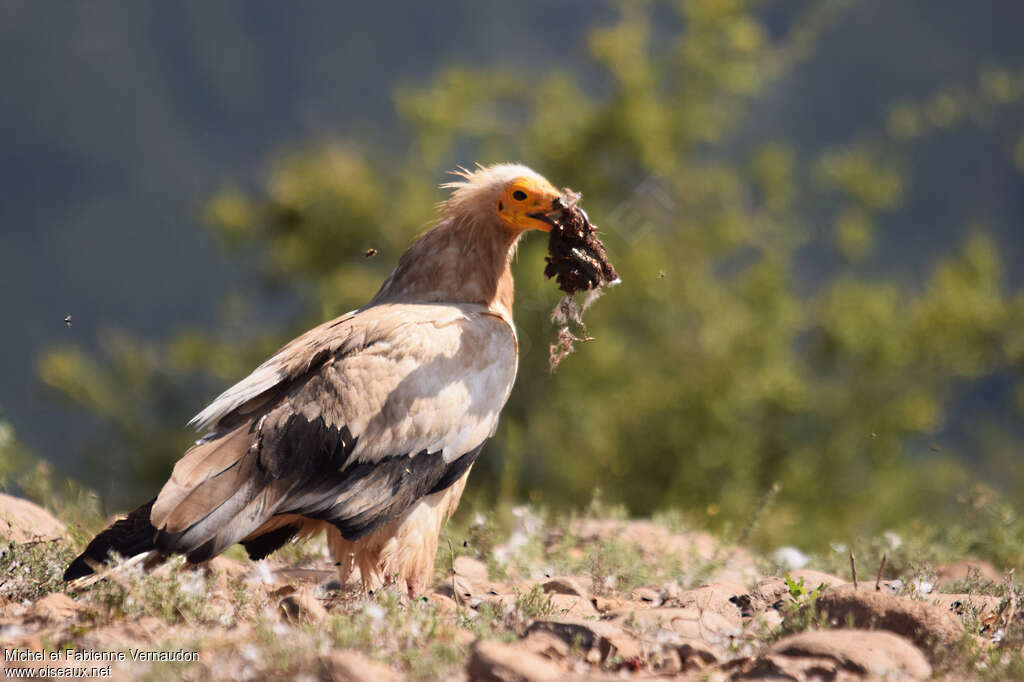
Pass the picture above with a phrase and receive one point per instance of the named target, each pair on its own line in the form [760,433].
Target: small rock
[926,625]
[292,575]
[220,569]
[601,637]
[566,585]
[769,619]
[868,653]
[961,570]
[648,595]
[232,568]
[472,592]
[768,593]
[569,605]
[301,606]
[352,666]
[56,607]
[605,605]
[814,578]
[443,602]
[141,633]
[493,661]
[24,521]
[463,637]
[471,569]
[546,644]
[691,623]
[722,597]
[695,655]
[966,604]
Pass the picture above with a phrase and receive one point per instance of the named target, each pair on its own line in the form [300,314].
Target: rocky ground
[586,598]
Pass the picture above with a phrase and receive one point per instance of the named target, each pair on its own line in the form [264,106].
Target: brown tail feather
[213,499]
[210,459]
[129,536]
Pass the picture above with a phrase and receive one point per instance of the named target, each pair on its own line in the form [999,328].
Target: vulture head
[514,196]
[465,257]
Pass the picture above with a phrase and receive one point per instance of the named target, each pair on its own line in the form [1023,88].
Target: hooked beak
[558,205]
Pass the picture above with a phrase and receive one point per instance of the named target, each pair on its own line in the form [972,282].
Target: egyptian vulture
[366,426]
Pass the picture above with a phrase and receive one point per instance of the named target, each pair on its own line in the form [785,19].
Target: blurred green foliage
[715,375]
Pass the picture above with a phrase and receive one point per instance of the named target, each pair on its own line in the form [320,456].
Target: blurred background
[816,208]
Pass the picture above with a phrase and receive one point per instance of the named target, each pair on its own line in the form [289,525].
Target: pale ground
[586,598]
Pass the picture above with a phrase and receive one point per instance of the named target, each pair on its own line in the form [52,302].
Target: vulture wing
[350,423]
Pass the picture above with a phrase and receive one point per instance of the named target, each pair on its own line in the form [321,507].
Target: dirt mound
[23,521]
[931,627]
[837,655]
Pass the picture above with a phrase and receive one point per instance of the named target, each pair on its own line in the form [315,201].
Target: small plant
[799,611]
[31,570]
[173,595]
[799,593]
[975,583]
[533,604]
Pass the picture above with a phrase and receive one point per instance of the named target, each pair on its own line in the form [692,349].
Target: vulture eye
[519,195]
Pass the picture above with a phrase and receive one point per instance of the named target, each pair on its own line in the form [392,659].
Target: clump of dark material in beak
[576,257]
[578,261]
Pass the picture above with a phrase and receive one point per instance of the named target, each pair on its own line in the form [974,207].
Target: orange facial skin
[527,203]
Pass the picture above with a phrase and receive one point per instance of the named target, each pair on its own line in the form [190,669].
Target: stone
[873,654]
[472,569]
[813,578]
[569,605]
[232,568]
[492,661]
[769,619]
[769,592]
[926,625]
[603,638]
[443,602]
[55,608]
[607,605]
[947,574]
[300,605]
[547,644]
[472,593]
[138,634]
[691,623]
[696,655]
[723,598]
[966,604]
[352,666]
[220,570]
[648,595]
[463,637]
[566,585]
[24,521]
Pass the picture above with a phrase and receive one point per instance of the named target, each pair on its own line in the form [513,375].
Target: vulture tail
[216,496]
[129,536]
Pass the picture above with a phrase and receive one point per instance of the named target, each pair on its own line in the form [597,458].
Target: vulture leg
[402,551]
